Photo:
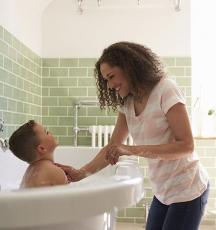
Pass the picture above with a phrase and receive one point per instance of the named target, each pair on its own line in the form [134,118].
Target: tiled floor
[129,226]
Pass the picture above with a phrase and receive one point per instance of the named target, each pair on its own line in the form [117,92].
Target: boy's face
[46,139]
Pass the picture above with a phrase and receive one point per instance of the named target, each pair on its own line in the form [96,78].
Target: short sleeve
[171,95]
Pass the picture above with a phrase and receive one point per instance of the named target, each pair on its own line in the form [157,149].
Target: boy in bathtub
[32,143]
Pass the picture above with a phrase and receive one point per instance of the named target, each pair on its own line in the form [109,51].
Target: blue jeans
[177,216]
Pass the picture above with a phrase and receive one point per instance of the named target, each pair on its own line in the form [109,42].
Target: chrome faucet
[1,125]
[3,144]
[76,108]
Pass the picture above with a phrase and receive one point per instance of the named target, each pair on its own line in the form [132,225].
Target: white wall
[66,33]
[22,18]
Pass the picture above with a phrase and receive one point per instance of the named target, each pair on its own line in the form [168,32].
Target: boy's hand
[72,173]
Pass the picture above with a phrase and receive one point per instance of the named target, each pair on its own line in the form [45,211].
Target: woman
[130,78]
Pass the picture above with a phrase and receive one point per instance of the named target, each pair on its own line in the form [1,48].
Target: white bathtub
[89,204]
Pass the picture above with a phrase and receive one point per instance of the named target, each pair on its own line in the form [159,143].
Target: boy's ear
[41,149]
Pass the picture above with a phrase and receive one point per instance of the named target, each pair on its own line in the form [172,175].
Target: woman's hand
[72,173]
[114,151]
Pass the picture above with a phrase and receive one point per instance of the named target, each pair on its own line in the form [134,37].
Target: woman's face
[116,79]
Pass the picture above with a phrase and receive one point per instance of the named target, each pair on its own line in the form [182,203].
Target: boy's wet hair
[24,141]
[141,67]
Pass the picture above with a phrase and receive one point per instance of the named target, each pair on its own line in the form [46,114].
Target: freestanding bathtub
[90,204]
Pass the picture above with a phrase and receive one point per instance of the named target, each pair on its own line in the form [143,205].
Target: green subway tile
[50,62]
[78,72]
[49,82]
[176,71]
[45,72]
[168,61]
[26,63]
[188,91]
[111,112]
[8,117]
[10,130]
[22,72]
[58,111]
[68,62]
[87,62]
[20,107]
[67,82]
[58,130]
[94,111]
[66,121]
[8,91]
[86,121]
[16,43]
[106,121]
[70,130]
[92,92]
[183,81]
[65,140]
[135,212]
[37,100]
[3,48]
[8,64]
[58,72]
[45,111]
[90,72]
[3,102]
[121,213]
[49,101]
[140,220]
[183,61]
[12,53]
[84,141]
[26,108]
[20,59]
[65,101]
[58,92]
[1,60]
[188,71]
[7,37]
[82,111]
[12,105]
[16,69]
[125,220]
[50,121]
[45,91]
[1,88]
[1,32]
[77,91]
[27,86]
[86,82]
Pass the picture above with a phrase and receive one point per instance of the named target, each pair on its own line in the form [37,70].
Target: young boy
[32,143]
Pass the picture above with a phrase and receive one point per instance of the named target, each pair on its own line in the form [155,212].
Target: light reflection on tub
[89,204]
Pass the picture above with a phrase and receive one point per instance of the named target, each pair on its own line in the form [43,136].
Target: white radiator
[102,134]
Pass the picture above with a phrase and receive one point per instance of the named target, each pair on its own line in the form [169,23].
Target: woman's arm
[119,134]
[100,161]
[182,145]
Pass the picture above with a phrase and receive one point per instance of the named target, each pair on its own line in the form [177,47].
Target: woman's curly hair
[141,66]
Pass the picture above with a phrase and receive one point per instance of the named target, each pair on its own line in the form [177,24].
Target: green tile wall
[66,80]
[45,89]
[20,83]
